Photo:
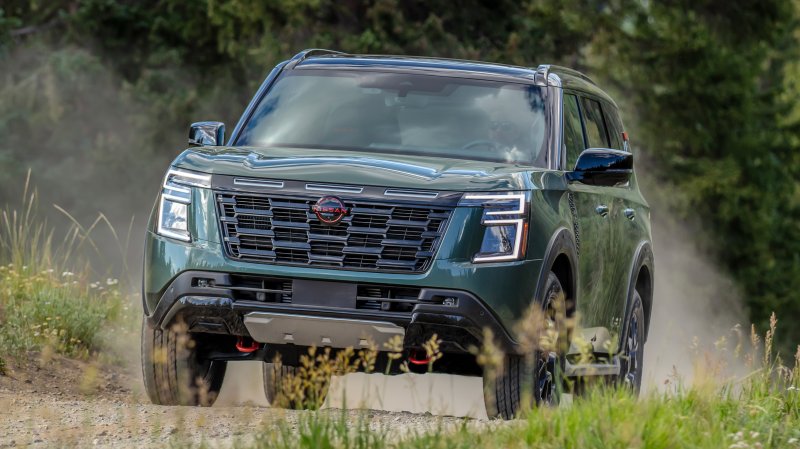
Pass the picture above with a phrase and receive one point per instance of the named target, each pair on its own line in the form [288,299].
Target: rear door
[627,230]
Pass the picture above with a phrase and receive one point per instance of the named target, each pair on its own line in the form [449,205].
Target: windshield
[401,113]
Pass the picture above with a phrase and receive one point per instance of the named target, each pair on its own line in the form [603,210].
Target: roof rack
[544,71]
[307,53]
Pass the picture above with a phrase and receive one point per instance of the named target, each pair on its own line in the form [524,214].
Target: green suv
[364,199]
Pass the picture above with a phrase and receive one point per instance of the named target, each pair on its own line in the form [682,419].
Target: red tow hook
[251,347]
[414,360]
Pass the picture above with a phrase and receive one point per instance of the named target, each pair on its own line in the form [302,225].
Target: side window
[596,134]
[615,128]
[573,131]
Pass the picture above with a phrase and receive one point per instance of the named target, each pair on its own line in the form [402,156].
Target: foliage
[707,81]
[42,303]
[55,311]
[96,95]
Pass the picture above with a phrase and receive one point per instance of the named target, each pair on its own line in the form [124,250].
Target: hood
[348,167]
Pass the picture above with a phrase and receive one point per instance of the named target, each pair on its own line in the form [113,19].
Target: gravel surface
[46,421]
[57,406]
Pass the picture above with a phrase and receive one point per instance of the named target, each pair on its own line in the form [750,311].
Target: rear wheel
[285,387]
[632,356]
[543,371]
[175,373]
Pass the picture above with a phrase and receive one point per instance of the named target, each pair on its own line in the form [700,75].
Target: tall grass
[48,298]
[722,409]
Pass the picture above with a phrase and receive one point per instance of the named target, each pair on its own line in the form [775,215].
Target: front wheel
[288,387]
[175,373]
[543,371]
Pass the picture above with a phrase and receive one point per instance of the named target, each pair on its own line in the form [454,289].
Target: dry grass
[50,298]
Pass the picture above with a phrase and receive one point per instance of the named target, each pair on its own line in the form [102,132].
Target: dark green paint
[607,243]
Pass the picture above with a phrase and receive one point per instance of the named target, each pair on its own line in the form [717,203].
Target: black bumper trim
[214,309]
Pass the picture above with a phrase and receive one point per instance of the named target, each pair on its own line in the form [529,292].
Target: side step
[593,369]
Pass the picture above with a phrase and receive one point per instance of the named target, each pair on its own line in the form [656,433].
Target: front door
[597,210]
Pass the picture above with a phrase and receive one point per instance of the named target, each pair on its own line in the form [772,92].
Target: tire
[503,393]
[275,375]
[632,354]
[174,373]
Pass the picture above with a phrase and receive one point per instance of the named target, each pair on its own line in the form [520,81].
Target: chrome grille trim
[411,193]
[333,188]
[267,228]
[258,183]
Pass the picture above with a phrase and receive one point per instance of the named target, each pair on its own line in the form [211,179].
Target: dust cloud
[695,305]
[437,394]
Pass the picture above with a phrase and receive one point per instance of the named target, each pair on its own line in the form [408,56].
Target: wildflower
[111,281]
[94,285]
[67,274]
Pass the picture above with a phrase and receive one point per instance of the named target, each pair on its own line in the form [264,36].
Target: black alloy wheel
[632,355]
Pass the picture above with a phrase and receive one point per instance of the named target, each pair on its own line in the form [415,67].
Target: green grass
[760,409]
[604,418]
[54,310]
[48,299]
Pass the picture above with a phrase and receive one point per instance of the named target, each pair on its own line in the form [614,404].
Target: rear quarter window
[596,133]
[615,127]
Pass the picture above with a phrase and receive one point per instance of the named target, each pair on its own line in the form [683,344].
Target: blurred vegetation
[49,302]
[96,95]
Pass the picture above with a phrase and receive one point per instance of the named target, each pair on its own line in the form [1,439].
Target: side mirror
[602,167]
[207,134]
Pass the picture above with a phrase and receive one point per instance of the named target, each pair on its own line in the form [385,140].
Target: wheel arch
[561,257]
[641,279]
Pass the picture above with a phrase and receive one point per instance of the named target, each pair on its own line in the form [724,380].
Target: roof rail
[567,71]
[307,53]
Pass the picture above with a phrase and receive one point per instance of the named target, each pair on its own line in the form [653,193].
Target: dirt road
[55,406]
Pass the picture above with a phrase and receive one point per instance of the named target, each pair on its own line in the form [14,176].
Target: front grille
[269,229]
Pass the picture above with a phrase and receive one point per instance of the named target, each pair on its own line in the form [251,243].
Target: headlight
[505,217]
[176,196]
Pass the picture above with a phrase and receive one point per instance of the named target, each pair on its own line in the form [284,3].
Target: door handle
[630,214]
[602,210]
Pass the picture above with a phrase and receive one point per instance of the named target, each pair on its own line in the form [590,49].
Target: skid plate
[304,330]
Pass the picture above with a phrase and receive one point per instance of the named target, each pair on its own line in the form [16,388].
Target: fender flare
[642,258]
[560,243]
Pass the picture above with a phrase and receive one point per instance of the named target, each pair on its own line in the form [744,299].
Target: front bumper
[486,295]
